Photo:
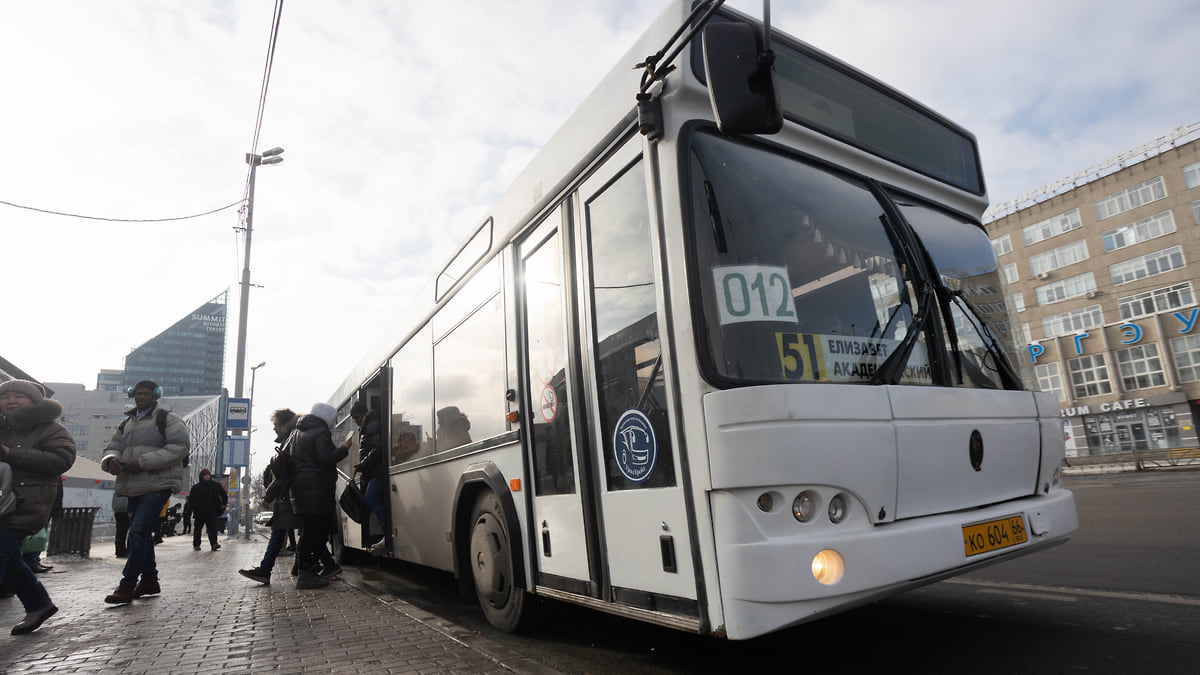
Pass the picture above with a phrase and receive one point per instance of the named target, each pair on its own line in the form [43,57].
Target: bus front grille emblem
[975,449]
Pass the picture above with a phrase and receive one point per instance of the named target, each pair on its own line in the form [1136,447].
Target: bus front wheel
[502,600]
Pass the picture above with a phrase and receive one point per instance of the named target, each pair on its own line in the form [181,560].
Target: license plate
[994,535]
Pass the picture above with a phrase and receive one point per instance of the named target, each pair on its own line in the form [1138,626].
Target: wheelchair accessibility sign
[634,446]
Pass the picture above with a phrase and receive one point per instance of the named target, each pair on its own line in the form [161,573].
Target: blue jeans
[15,574]
[274,546]
[143,518]
[374,497]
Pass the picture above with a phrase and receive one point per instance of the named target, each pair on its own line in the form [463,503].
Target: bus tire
[502,600]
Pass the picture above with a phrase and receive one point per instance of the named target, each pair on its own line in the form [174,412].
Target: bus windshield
[804,278]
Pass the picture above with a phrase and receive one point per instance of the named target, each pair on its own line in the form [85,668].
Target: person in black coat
[371,463]
[312,482]
[208,500]
[275,479]
[38,451]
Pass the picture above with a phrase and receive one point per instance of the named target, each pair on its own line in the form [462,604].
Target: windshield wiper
[892,368]
[1008,374]
[714,217]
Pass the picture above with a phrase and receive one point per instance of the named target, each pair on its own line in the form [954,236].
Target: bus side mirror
[742,89]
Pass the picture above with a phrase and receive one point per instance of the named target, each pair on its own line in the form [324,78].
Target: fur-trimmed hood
[34,415]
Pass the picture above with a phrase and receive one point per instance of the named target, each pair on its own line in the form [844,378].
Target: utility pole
[272,156]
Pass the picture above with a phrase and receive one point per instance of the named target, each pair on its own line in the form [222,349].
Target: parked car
[263,517]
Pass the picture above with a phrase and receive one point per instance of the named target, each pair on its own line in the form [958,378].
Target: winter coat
[312,470]
[161,459]
[40,450]
[282,517]
[370,448]
[207,498]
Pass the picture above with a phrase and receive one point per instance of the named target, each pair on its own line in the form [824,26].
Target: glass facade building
[187,359]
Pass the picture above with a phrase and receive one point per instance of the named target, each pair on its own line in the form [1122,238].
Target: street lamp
[248,479]
[272,156]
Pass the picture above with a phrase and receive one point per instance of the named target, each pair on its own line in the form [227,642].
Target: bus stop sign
[237,413]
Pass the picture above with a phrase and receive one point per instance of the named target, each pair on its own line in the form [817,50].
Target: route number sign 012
[753,293]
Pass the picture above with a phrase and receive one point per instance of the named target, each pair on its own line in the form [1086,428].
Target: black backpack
[160,421]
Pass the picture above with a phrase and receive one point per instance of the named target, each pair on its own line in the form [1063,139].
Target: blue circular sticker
[634,446]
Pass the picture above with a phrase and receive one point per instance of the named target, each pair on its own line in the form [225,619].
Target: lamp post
[248,480]
[272,156]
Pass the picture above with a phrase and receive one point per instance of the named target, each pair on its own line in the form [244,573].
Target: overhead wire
[266,80]
[120,220]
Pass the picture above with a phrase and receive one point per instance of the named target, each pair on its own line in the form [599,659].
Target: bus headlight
[837,509]
[804,506]
[828,567]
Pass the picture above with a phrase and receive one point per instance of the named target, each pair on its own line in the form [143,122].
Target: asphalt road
[1123,596]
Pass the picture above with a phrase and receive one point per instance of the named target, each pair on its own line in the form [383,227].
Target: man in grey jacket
[149,469]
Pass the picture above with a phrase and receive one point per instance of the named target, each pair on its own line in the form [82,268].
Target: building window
[1074,321]
[1026,332]
[1019,301]
[1148,265]
[1140,367]
[1196,212]
[1002,245]
[1128,430]
[1089,376]
[1191,175]
[1051,227]
[1143,230]
[1067,288]
[1131,198]
[1157,300]
[1187,357]
[1010,273]
[1049,379]
[1059,257]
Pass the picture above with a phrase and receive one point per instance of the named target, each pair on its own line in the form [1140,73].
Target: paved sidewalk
[209,619]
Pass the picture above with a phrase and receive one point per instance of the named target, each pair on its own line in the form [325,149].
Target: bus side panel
[422,505]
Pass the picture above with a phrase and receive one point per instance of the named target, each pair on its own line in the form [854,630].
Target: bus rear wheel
[502,600]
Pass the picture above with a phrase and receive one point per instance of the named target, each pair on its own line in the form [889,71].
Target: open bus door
[609,514]
[362,535]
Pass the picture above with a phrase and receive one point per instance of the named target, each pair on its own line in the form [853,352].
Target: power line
[266,80]
[121,220]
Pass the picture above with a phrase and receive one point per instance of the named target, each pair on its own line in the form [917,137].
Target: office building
[187,359]
[1105,300]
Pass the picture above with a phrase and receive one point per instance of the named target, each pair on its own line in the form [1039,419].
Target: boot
[146,587]
[257,574]
[122,596]
[33,620]
[309,579]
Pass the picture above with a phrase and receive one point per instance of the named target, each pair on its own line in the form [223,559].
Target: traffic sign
[237,413]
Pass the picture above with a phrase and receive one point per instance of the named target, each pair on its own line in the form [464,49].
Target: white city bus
[726,361]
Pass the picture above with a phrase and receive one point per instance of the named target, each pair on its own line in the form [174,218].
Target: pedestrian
[312,477]
[208,499]
[148,465]
[38,450]
[187,517]
[371,462]
[275,481]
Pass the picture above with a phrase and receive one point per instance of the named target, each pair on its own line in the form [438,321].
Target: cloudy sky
[402,121]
